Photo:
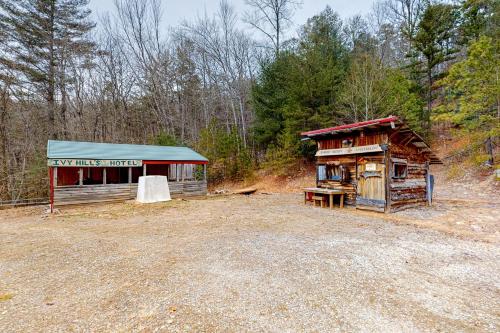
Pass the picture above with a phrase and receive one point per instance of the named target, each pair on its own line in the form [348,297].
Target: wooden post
[144,170]
[317,175]
[51,193]
[80,180]
[130,175]
[104,176]
[387,180]
[55,176]
[182,172]
[428,185]
[204,172]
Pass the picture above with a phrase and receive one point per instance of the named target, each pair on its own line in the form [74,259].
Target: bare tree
[225,58]
[406,14]
[272,18]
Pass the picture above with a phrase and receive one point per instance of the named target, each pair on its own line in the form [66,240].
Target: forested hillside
[239,87]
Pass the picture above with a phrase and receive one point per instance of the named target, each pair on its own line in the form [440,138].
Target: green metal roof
[112,151]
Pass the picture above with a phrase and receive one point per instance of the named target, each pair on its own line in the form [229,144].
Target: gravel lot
[257,263]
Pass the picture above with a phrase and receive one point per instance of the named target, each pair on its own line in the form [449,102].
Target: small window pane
[321,172]
[399,170]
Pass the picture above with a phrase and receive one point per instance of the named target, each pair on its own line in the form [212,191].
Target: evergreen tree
[474,84]
[434,41]
[41,37]
[478,17]
[269,96]
[474,92]
[300,89]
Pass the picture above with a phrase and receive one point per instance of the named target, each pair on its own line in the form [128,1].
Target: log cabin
[85,172]
[380,164]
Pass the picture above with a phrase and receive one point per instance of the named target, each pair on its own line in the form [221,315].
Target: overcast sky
[177,10]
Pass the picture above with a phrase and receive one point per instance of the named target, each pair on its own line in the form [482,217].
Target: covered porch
[77,177]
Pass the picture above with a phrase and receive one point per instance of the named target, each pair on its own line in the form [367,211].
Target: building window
[321,172]
[399,170]
[333,172]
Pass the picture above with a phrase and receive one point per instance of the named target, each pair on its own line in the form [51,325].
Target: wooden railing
[118,192]
[23,202]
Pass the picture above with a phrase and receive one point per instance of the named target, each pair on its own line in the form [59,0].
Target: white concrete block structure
[153,189]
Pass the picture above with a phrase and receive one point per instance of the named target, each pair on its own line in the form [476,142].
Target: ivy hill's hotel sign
[93,163]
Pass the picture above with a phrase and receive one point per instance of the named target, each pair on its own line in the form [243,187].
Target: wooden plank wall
[118,192]
[368,138]
[410,191]
[371,191]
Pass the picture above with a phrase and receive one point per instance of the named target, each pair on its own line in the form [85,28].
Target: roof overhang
[392,123]
[92,153]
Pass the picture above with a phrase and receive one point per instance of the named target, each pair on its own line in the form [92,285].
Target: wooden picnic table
[325,191]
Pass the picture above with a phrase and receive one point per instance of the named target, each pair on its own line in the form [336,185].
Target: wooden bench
[319,199]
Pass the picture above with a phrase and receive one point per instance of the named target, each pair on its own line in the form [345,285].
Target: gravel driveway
[258,263]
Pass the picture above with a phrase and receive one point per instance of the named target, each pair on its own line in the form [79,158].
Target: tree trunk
[427,115]
[489,151]
[4,171]
[51,76]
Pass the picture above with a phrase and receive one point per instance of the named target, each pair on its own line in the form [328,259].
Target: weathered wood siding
[410,191]
[368,138]
[371,184]
[118,192]
[354,164]
[394,193]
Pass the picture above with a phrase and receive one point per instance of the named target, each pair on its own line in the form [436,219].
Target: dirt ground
[250,263]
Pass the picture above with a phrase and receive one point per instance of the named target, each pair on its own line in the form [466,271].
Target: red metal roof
[351,126]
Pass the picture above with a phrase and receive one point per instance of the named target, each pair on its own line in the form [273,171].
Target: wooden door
[371,187]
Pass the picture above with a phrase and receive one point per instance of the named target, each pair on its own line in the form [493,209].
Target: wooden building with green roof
[85,172]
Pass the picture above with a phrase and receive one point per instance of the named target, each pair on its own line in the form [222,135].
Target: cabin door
[371,187]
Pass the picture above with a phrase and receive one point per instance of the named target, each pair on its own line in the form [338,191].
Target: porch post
[182,172]
[129,175]
[80,180]
[104,176]
[204,172]
[144,169]
[51,190]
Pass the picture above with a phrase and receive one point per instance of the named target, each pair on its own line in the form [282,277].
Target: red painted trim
[175,162]
[351,126]
[51,177]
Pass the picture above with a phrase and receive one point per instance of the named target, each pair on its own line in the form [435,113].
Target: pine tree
[434,41]
[41,36]
[478,17]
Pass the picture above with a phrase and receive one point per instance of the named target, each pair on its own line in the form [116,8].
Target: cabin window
[321,172]
[399,170]
[333,172]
